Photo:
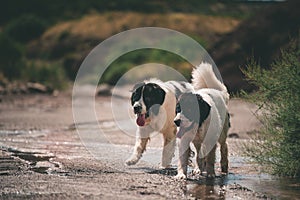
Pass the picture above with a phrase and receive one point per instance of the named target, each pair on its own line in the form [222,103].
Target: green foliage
[138,57]
[13,66]
[10,57]
[115,72]
[278,97]
[51,75]
[25,28]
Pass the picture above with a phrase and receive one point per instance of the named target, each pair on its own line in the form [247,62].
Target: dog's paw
[224,169]
[132,161]
[196,171]
[180,176]
[211,175]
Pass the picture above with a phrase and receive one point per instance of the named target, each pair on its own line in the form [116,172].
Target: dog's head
[191,112]
[146,99]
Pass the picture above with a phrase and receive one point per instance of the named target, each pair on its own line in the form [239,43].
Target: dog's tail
[203,76]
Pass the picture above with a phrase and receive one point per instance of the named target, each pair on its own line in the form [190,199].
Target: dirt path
[43,157]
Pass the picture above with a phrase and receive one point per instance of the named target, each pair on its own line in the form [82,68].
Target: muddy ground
[42,156]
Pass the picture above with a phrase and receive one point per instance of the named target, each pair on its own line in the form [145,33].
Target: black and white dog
[154,104]
[203,120]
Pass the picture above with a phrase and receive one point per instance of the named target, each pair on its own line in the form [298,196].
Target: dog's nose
[137,109]
[177,122]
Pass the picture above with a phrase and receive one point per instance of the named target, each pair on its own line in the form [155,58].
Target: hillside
[261,37]
[70,41]
[53,37]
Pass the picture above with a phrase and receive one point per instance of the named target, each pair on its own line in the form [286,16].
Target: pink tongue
[140,120]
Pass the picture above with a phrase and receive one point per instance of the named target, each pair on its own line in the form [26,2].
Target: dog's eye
[178,108]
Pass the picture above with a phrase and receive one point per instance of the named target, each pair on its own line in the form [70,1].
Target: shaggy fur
[204,121]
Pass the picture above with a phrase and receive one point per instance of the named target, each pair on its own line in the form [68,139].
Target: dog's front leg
[200,161]
[184,152]
[168,147]
[142,138]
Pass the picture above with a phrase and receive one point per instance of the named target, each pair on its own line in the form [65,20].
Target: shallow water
[264,185]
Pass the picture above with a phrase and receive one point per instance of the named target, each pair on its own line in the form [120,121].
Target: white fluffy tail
[203,76]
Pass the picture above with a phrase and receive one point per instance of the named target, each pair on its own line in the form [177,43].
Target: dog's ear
[204,109]
[136,92]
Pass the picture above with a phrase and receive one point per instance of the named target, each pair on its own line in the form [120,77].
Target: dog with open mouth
[154,104]
[203,120]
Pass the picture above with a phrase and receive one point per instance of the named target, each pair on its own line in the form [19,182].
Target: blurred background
[43,43]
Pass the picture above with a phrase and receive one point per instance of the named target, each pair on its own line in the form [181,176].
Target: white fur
[203,76]
[163,123]
[213,129]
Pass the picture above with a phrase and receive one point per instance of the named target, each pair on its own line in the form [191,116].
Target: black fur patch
[229,124]
[204,109]
[137,92]
[153,96]
[193,107]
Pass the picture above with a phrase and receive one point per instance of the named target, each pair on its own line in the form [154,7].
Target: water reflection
[207,188]
[261,186]
[206,191]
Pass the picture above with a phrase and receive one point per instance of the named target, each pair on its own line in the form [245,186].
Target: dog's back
[179,87]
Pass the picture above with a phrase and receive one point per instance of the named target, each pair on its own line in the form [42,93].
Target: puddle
[36,161]
[205,191]
[200,187]
[261,186]
[31,157]
[277,187]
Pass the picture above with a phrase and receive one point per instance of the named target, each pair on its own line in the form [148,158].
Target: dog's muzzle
[137,109]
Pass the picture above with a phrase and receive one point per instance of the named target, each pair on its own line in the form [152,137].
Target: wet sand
[43,157]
